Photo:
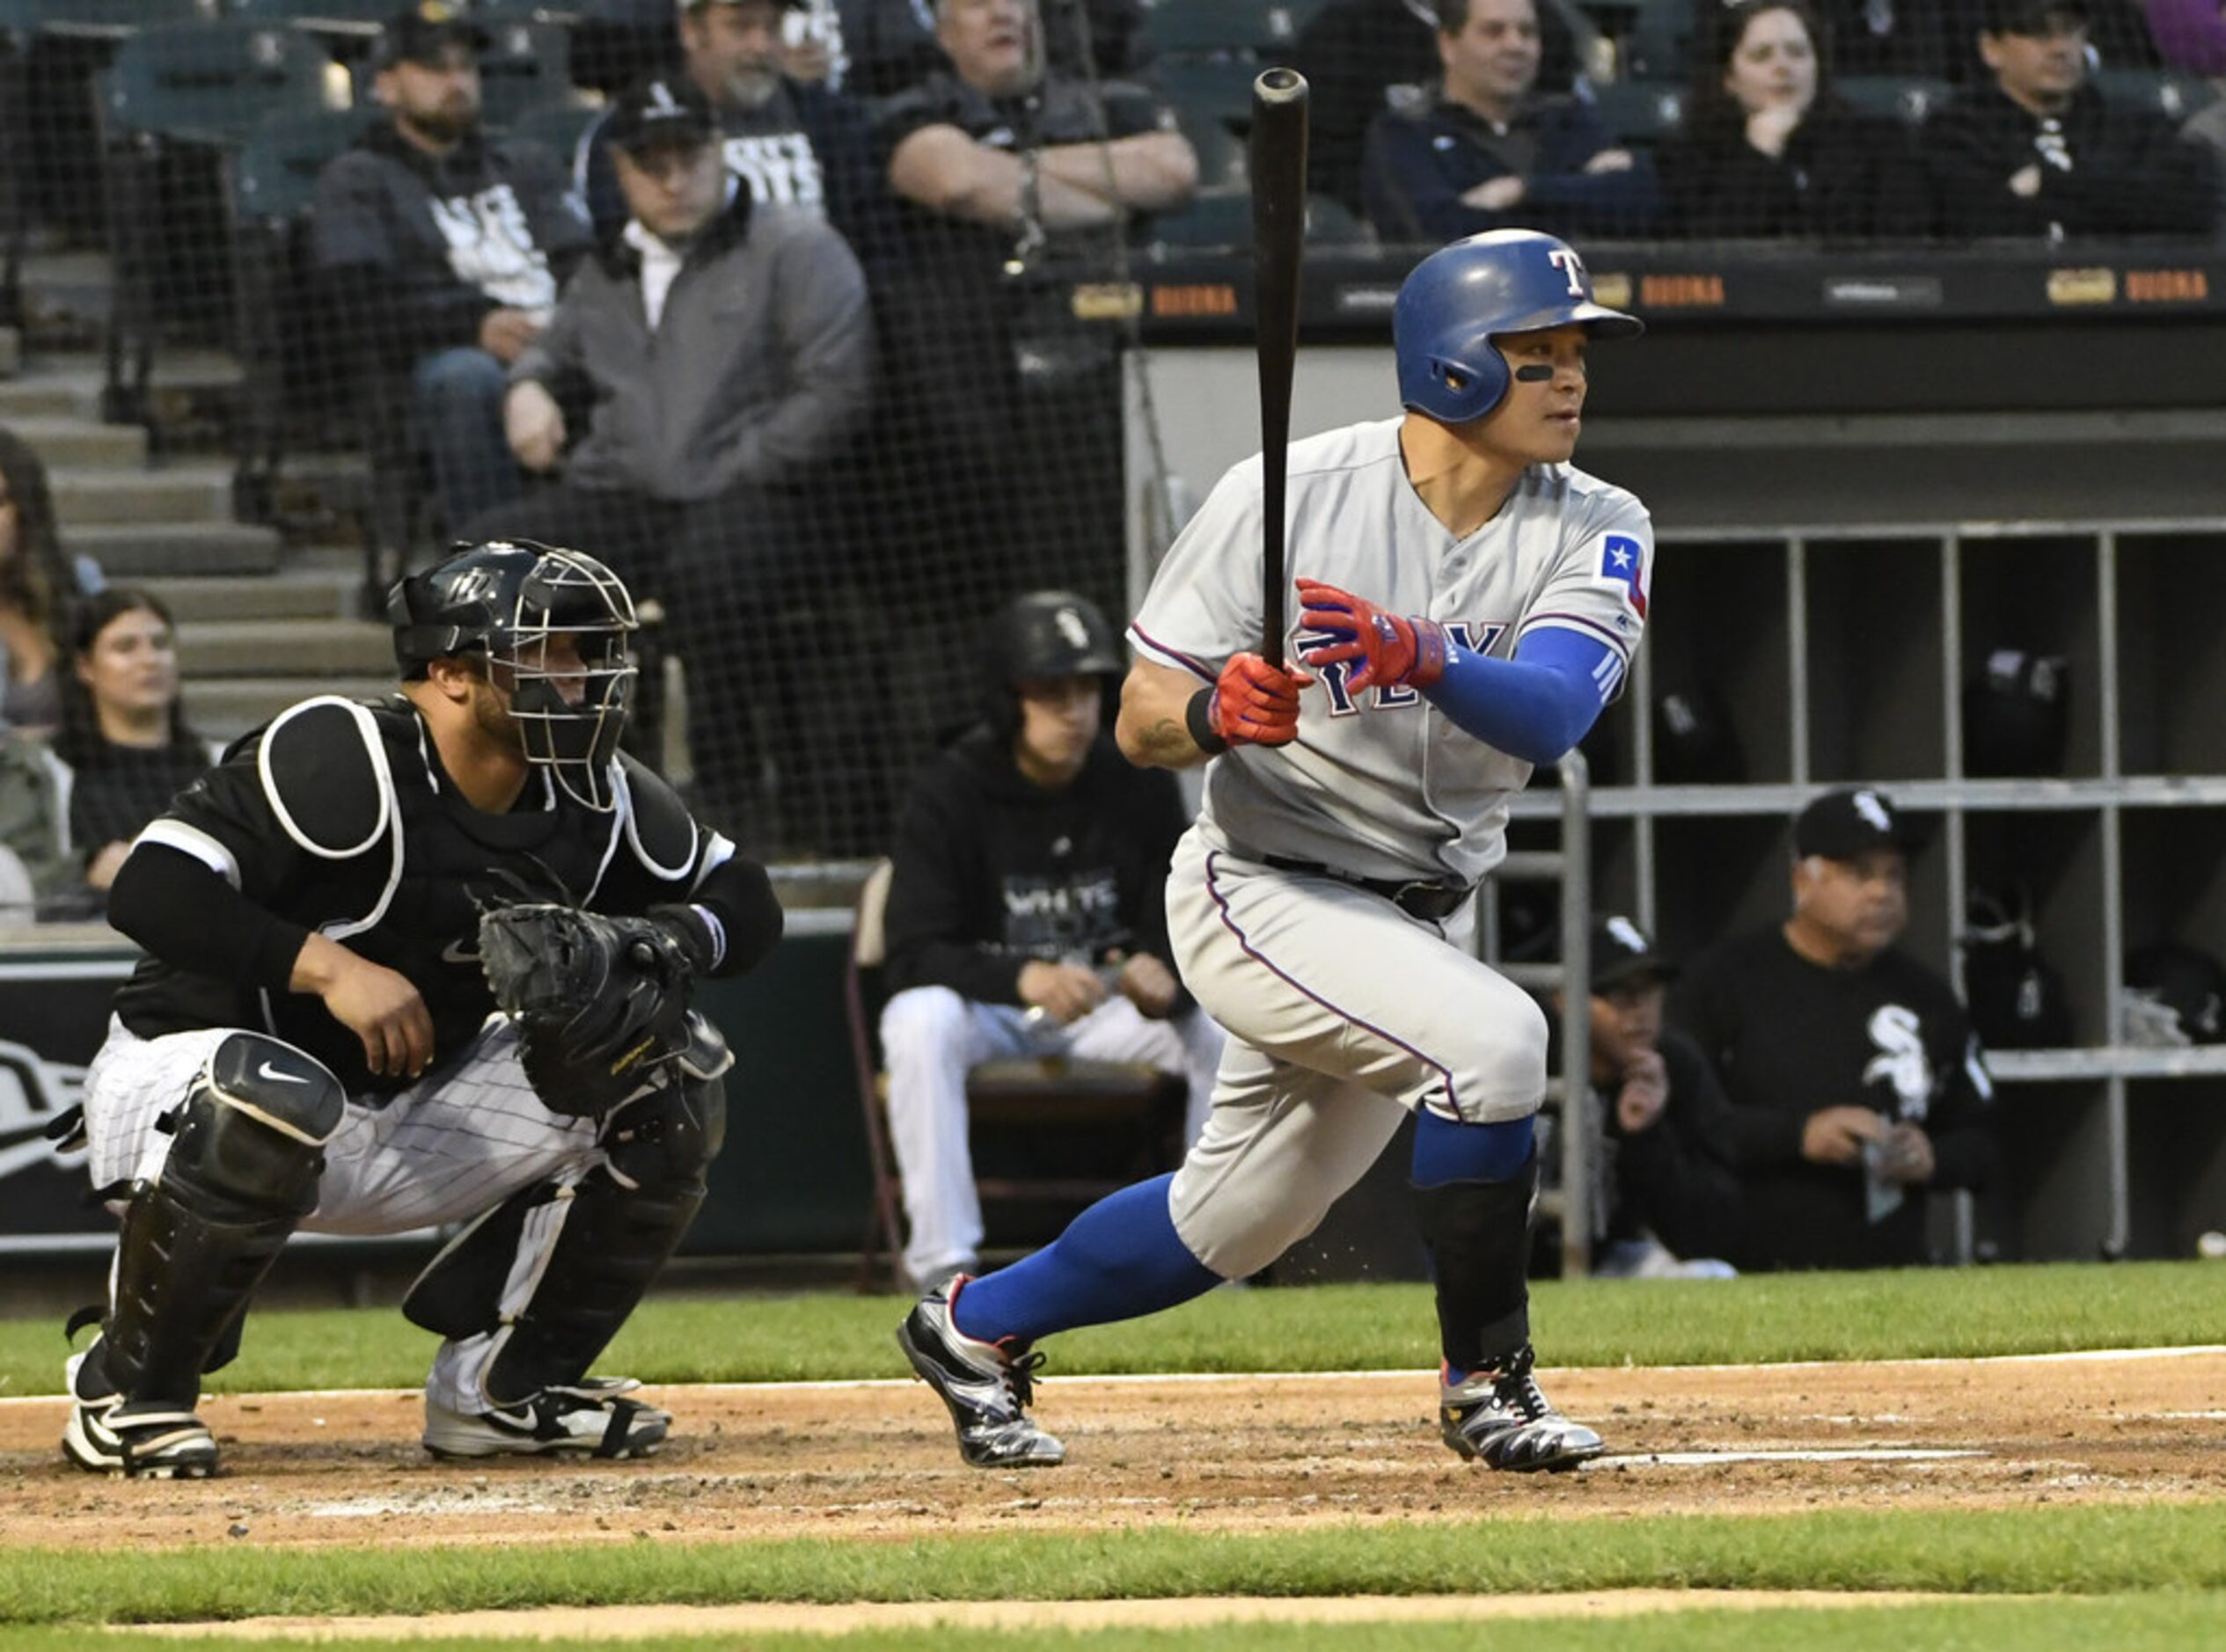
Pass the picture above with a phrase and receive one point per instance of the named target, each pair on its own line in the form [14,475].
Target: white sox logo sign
[1571,266]
[32,1091]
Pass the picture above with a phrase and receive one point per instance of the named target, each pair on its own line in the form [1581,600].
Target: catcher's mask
[506,601]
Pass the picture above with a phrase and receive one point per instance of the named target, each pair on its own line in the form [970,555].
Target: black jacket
[1417,167]
[1842,177]
[415,251]
[1788,1037]
[2105,169]
[992,870]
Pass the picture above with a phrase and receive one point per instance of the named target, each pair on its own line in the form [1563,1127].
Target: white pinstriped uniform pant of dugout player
[1343,1014]
[455,1144]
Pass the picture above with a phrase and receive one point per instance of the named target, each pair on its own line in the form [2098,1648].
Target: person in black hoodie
[1027,913]
[1854,1077]
[1770,151]
[2034,151]
[442,251]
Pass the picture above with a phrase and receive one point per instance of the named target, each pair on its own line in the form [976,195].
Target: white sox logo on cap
[1868,805]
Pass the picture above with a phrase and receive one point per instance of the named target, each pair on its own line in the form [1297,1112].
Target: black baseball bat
[1278,229]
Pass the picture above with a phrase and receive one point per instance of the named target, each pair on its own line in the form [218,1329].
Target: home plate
[1846,1454]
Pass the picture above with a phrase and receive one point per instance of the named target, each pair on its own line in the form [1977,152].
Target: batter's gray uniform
[1343,1010]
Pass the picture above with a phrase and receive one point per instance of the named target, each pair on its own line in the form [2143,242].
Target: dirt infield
[875,1461]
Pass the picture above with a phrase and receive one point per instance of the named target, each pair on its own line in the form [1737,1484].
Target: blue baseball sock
[1118,1260]
[1446,1151]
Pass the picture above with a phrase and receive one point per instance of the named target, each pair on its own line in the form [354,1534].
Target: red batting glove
[1397,649]
[1256,703]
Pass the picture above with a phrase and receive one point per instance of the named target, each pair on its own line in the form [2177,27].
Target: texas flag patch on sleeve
[1622,562]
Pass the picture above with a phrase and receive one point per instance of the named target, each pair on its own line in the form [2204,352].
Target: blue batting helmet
[1461,296]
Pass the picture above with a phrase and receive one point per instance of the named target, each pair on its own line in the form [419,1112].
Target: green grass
[2177,1621]
[2084,1550]
[1646,1322]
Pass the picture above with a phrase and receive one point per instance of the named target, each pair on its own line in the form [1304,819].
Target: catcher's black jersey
[338,816]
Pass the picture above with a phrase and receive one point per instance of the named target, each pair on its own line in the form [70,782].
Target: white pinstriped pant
[931,1035]
[460,1141]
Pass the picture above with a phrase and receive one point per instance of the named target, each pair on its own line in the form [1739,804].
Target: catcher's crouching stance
[420,960]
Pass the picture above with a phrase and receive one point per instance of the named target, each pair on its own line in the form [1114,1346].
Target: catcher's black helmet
[1043,635]
[503,601]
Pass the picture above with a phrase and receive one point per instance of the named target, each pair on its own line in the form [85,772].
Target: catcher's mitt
[601,1001]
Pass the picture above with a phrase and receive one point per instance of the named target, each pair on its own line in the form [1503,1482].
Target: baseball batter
[1468,603]
[312,1043]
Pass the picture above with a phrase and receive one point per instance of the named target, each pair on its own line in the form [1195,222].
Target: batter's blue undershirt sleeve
[1538,704]
[1120,1259]
[1446,1151]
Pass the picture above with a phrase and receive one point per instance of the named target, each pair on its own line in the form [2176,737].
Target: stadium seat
[2174,96]
[1219,87]
[1193,28]
[172,93]
[282,351]
[1640,110]
[110,18]
[1129,1108]
[558,124]
[1221,153]
[1909,99]
[1656,45]
[1217,217]
[338,15]
[1330,222]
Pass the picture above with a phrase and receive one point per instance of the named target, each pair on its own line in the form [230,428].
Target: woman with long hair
[71,807]
[37,584]
[1770,151]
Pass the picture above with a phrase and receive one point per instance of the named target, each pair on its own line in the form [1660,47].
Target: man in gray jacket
[725,350]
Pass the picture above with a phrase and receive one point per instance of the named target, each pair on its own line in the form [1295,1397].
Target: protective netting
[833,454]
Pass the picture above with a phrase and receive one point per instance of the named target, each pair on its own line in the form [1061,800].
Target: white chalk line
[1147,1378]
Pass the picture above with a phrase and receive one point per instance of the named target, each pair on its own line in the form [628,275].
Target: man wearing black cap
[791,144]
[2033,150]
[1852,1072]
[1665,1188]
[444,251]
[728,350]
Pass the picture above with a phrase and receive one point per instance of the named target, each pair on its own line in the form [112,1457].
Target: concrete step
[39,395]
[290,594]
[154,550]
[67,442]
[174,494]
[295,648]
[221,707]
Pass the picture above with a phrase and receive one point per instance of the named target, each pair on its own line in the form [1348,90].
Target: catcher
[419,961]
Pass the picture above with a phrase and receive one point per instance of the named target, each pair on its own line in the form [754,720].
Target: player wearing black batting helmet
[342,1025]
[1038,637]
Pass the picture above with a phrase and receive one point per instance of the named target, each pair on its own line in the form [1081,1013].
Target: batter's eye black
[1533,372]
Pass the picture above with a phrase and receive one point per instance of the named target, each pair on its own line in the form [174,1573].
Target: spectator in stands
[2036,152]
[876,48]
[70,809]
[1491,152]
[38,585]
[1665,1196]
[1362,58]
[444,250]
[2191,37]
[1004,421]
[1854,1077]
[1027,913]
[726,349]
[790,142]
[1770,151]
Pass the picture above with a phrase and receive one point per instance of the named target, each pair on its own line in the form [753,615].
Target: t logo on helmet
[1570,266]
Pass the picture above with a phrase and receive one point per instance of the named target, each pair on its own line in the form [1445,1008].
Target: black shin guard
[239,1177]
[595,1246]
[1478,1235]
